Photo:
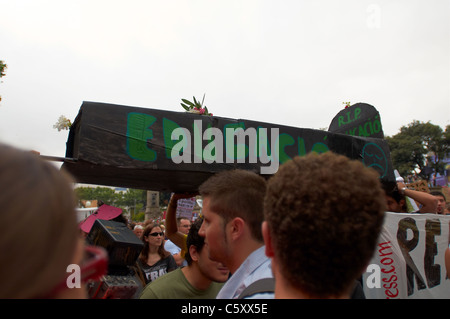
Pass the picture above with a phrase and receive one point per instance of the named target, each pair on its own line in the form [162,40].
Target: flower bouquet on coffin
[63,123]
[195,107]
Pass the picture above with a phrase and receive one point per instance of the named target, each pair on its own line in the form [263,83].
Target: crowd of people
[308,231]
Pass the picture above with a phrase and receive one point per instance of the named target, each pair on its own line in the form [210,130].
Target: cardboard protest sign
[160,150]
[185,207]
[409,259]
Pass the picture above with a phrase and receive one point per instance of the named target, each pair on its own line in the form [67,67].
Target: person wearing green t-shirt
[201,278]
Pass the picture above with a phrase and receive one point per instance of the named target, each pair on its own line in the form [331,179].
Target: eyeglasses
[93,267]
[156,234]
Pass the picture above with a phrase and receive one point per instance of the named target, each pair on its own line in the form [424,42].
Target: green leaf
[188,102]
[185,107]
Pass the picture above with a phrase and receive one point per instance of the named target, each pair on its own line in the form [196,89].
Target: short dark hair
[237,193]
[194,239]
[438,193]
[391,190]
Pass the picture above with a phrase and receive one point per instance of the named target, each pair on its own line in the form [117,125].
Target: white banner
[409,259]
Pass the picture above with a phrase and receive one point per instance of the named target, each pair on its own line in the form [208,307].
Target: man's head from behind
[323,216]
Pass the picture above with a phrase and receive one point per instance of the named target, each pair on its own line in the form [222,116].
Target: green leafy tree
[439,149]
[104,194]
[3,67]
[419,147]
[139,217]
[164,198]
[135,199]
[132,197]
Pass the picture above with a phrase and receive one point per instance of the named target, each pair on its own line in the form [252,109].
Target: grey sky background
[285,62]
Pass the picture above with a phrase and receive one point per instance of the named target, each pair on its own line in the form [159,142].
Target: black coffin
[133,147]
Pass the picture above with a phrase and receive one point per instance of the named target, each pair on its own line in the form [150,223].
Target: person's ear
[193,252]
[267,239]
[236,228]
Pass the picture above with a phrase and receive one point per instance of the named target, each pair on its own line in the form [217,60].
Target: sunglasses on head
[156,234]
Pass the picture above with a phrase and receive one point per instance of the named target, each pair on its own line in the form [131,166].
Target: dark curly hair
[324,214]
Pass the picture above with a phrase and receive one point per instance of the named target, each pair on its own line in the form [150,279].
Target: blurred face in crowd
[393,205]
[184,226]
[441,204]
[138,232]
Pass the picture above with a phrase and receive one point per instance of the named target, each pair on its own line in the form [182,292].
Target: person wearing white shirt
[183,225]
[233,215]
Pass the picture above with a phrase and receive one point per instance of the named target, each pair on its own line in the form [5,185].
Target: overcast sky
[285,62]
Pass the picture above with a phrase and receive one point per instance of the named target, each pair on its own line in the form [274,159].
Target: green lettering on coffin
[138,134]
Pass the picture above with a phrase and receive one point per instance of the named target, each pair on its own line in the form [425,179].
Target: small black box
[122,245]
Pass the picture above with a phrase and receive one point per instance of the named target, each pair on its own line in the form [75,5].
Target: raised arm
[172,232]
[428,201]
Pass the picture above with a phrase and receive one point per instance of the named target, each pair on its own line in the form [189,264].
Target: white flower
[62,124]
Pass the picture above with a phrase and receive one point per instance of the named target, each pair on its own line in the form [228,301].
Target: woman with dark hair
[154,261]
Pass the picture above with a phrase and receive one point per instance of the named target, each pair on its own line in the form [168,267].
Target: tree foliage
[132,198]
[3,67]
[135,200]
[104,194]
[420,148]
